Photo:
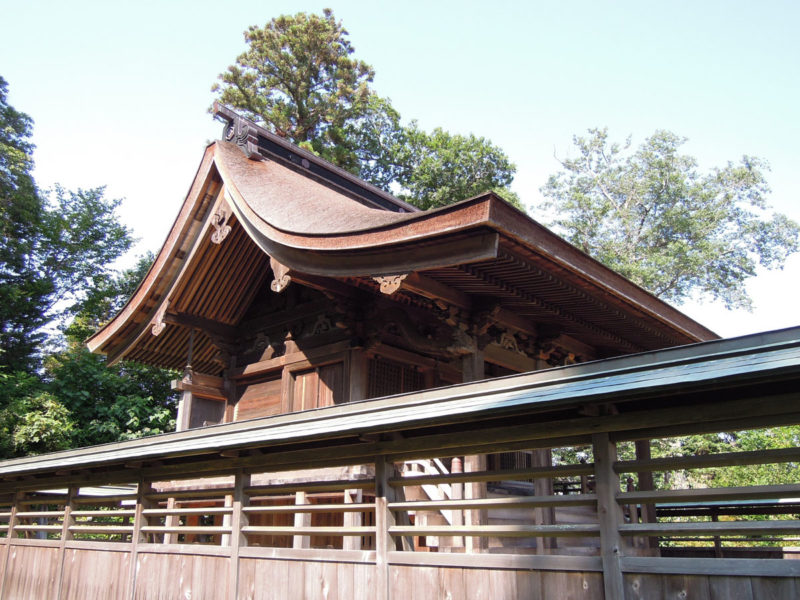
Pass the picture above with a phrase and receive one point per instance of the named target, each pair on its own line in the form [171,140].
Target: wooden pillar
[66,535]
[609,513]
[138,537]
[238,520]
[384,519]
[171,521]
[543,486]
[352,519]
[648,512]
[473,369]
[457,493]
[184,411]
[13,520]
[358,376]
[301,519]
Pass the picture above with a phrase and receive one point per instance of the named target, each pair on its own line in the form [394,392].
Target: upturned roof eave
[383,247]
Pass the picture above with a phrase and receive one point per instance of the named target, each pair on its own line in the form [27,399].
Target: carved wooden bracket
[390,283]
[282,277]
[219,221]
[158,320]
[509,342]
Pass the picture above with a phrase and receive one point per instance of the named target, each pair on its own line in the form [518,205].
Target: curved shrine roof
[279,202]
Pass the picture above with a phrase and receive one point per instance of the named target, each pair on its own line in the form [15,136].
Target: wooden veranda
[248,509]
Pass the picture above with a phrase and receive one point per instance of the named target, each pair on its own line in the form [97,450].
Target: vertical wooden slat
[475,490]
[352,519]
[609,513]
[13,520]
[171,521]
[648,513]
[238,520]
[301,519]
[139,520]
[66,534]
[384,518]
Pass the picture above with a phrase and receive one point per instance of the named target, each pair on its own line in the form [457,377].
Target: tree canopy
[298,78]
[55,254]
[651,215]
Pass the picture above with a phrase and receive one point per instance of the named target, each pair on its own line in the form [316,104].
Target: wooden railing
[367,519]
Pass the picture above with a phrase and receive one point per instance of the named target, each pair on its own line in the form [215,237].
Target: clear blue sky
[119,90]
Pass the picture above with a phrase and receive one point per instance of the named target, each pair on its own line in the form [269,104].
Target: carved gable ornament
[219,221]
[390,283]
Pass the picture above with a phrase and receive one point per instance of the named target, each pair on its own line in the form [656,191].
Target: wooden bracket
[282,276]
[219,221]
[390,283]
[158,321]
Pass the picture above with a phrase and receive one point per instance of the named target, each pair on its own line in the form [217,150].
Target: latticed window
[388,377]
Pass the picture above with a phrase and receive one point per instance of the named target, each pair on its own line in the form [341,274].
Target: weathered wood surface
[95,575]
[32,572]
[268,579]
[477,584]
[642,586]
[170,576]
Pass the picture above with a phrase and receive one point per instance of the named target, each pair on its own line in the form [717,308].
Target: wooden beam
[609,513]
[436,291]
[724,459]
[214,329]
[730,494]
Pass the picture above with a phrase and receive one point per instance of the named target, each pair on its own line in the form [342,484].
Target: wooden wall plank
[451,583]
[476,584]
[425,583]
[529,585]
[643,586]
[686,586]
[364,579]
[32,572]
[401,582]
[346,582]
[95,575]
[572,586]
[730,588]
[775,588]
[170,576]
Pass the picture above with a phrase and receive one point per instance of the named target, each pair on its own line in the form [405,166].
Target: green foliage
[52,246]
[35,425]
[111,403]
[299,79]
[20,222]
[55,252]
[651,216]
[440,168]
[118,402]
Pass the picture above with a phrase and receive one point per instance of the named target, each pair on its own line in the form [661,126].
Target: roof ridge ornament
[237,129]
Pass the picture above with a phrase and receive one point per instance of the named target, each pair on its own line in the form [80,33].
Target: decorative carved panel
[390,283]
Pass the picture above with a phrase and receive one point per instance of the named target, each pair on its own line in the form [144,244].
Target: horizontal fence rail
[578,510]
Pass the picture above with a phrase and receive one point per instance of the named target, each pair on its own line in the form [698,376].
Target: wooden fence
[395,497]
[371,531]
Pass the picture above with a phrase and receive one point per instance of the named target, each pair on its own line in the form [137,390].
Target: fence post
[66,534]
[238,521]
[609,514]
[384,519]
[137,537]
[12,522]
